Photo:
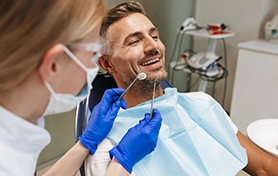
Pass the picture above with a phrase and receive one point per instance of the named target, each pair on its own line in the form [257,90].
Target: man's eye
[133,42]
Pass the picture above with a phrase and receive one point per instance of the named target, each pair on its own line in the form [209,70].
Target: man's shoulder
[197,95]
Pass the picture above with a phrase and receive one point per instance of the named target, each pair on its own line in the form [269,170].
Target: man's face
[136,47]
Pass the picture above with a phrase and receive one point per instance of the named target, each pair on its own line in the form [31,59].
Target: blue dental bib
[195,139]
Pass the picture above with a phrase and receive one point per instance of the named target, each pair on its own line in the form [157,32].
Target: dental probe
[140,76]
[151,111]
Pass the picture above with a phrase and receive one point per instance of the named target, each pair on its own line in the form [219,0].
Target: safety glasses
[95,47]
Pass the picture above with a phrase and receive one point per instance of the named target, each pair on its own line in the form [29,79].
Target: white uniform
[21,142]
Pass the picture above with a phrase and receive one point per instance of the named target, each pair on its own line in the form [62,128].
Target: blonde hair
[28,28]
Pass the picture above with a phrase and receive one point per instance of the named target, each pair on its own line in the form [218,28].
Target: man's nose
[150,44]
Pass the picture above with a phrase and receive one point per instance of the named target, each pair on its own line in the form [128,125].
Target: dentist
[48,52]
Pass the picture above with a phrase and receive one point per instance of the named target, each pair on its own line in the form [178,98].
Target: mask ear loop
[51,90]
[87,72]
[75,59]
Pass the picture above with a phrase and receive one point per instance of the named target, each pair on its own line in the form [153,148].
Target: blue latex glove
[139,141]
[102,119]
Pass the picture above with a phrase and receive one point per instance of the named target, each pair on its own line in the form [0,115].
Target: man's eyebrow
[136,34]
[153,29]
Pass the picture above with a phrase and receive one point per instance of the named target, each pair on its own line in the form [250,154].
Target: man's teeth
[150,62]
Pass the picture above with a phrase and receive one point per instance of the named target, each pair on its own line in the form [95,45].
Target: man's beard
[142,87]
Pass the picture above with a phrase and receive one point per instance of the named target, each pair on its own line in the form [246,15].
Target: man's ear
[106,64]
[49,66]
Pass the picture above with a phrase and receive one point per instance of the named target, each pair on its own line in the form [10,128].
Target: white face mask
[60,103]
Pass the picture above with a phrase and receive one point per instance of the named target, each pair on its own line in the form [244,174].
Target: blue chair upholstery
[100,84]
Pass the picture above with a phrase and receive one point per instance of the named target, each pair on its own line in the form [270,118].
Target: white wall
[245,17]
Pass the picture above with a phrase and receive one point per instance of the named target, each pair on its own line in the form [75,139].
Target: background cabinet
[255,93]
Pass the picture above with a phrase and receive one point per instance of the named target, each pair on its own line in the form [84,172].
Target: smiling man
[196,138]
[133,46]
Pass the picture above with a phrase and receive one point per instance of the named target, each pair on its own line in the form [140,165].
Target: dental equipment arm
[188,24]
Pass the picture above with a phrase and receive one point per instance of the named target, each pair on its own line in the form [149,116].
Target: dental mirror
[141,76]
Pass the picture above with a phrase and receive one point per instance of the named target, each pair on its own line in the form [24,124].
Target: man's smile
[150,62]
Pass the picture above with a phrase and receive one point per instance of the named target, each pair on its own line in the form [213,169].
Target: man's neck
[134,98]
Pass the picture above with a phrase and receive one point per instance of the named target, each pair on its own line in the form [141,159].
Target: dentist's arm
[129,150]
[100,123]
[70,163]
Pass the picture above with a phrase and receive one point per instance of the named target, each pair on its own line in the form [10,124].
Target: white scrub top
[21,142]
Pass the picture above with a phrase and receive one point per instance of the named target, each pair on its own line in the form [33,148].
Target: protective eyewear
[95,47]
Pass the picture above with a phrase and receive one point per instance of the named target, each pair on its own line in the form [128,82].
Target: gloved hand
[139,141]
[102,119]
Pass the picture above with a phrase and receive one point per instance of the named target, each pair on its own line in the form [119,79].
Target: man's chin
[158,77]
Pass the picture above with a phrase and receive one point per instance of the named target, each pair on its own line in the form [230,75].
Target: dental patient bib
[196,137]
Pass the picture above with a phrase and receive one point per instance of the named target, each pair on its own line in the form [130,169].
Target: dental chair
[102,82]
